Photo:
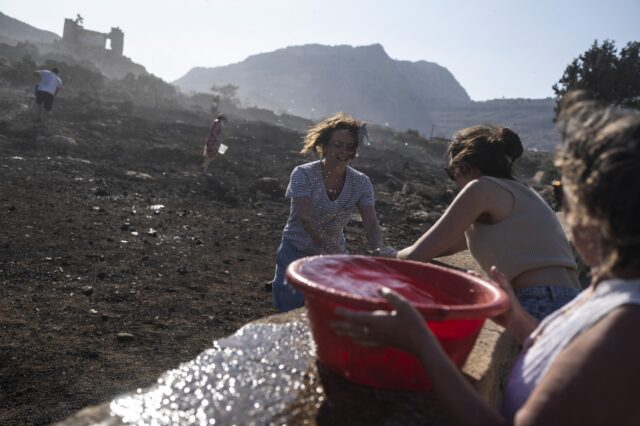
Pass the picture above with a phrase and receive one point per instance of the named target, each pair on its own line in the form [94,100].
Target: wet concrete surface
[267,373]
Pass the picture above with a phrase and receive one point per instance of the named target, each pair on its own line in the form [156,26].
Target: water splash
[261,374]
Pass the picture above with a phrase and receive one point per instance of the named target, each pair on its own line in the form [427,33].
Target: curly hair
[600,165]
[319,135]
[490,149]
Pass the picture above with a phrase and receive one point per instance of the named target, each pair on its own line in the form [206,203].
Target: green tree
[226,93]
[612,78]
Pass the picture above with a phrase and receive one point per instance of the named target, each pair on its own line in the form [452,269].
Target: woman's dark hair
[600,165]
[490,149]
[319,135]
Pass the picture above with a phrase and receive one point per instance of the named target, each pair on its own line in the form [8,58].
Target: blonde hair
[319,135]
[600,165]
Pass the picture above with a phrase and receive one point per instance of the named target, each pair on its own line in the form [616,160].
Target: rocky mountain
[314,81]
[532,119]
[13,31]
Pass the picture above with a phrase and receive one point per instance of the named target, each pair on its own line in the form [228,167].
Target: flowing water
[260,375]
[265,374]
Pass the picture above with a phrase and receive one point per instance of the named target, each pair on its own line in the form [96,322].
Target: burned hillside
[119,259]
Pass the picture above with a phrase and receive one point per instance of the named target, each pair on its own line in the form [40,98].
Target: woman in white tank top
[502,222]
[580,365]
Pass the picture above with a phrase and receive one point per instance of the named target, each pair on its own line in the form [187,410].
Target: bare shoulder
[620,328]
[623,317]
[485,187]
[475,188]
[594,380]
[487,193]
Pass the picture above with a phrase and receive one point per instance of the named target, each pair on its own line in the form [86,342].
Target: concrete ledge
[284,384]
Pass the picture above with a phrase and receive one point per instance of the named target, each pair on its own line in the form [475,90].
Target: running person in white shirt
[47,89]
[323,195]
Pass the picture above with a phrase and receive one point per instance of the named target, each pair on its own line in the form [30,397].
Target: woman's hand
[388,251]
[330,246]
[403,328]
[518,321]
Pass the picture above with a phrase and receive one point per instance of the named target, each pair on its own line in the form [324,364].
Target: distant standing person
[212,143]
[363,135]
[47,89]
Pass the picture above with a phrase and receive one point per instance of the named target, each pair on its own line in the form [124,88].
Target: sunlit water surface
[261,375]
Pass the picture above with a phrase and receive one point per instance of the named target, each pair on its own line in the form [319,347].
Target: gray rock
[433,192]
[138,175]
[125,337]
[269,186]
[422,216]
[60,141]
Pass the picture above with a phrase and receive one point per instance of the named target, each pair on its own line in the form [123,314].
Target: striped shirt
[331,216]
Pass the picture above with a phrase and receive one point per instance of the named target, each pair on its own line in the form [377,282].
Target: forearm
[522,325]
[459,246]
[429,246]
[406,253]
[415,252]
[371,226]
[374,236]
[460,400]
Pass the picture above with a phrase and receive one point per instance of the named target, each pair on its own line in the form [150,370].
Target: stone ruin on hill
[75,36]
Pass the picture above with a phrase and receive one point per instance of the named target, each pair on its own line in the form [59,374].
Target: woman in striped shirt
[323,195]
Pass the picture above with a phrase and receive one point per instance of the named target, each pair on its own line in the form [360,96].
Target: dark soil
[84,256]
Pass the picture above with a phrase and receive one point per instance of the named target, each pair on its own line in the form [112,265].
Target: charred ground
[88,253]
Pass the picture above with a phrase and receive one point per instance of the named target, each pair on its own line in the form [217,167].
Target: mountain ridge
[419,95]
[315,81]
[13,30]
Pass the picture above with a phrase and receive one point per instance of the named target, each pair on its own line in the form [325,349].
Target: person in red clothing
[212,143]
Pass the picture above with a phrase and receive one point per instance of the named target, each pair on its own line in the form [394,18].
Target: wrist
[388,251]
[425,344]
[521,324]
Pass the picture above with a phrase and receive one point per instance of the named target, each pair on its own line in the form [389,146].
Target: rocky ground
[118,259]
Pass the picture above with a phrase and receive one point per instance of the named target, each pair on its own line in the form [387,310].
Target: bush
[612,77]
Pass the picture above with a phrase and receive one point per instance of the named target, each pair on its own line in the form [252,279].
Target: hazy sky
[494,48]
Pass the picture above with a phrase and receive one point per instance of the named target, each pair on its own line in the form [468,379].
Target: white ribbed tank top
[558,330]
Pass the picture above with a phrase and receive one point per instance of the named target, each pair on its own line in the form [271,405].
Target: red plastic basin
[456,304]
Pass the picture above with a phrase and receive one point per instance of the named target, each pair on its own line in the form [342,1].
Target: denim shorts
[542,300]
[285,297]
